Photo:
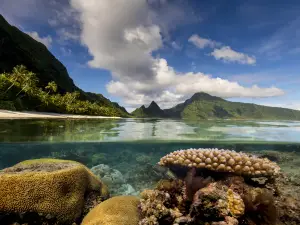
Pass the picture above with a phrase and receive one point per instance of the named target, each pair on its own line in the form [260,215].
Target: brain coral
[119,210]
[50,187]
[221,160]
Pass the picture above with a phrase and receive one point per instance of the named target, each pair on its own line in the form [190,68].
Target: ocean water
[134,146]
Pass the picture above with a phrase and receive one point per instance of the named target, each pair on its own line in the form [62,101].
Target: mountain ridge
[204,106]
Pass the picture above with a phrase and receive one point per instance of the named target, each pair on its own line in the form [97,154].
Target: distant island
[204,106]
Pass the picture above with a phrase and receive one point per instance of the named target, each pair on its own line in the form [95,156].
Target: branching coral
[221,161]
[52,187]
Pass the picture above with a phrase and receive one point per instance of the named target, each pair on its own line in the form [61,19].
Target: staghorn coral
[221,161]
[114,211]
[50,187]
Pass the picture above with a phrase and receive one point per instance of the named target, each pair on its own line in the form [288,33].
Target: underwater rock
[221,161]
[126,189]
[119,210]
[47,191]
[114,180]
[288,201]
[108,175]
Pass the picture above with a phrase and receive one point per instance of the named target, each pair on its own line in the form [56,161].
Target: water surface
[133,146]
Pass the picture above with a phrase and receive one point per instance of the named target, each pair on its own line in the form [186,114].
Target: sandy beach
[6,114]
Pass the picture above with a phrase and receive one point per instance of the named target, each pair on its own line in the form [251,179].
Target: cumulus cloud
[66,34]
[200,42]
[45,40]
[172,88]
[224,53]
[228,55]
[123,41]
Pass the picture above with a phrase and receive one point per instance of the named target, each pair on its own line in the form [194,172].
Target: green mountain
[153,111]
[18,48]
[205,106]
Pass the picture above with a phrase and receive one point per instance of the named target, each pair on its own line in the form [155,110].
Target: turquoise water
[134,146]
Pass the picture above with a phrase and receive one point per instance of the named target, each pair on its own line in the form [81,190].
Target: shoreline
[7,114]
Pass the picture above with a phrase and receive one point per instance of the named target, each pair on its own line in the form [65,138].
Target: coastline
[7,114]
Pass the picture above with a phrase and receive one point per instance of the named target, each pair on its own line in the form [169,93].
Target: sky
[136,51]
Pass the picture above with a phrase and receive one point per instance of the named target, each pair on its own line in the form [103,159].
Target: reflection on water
[147,129]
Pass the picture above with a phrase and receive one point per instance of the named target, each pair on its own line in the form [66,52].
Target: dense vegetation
[20,90]
[18,48]
[205,106]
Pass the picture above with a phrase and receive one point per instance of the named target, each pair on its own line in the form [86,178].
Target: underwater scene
[149,171]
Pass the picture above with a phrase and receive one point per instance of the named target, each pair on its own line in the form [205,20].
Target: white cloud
[170,88]
[224,53]
[200,42]
[66,35]
[65,51]
[45,40]
[123,41]
[176,46]
[228,55]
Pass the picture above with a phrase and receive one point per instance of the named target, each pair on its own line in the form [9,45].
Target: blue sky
[136,51]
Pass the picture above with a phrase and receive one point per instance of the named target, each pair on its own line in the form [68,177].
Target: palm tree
[51,87]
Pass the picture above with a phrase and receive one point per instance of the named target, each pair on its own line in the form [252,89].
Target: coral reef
[114,180]
[56,190]
[221,161]
[218,197]
[216,202]
[228,201]
[114,211]
[162,205]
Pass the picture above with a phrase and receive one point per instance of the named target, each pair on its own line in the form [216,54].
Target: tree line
[20,90]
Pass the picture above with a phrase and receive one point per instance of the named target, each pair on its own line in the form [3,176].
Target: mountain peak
[205,96]
[153,104]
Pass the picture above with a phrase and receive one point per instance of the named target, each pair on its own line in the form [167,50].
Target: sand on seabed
[6,114]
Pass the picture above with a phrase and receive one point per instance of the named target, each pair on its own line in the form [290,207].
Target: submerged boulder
[44,190]
[114,179]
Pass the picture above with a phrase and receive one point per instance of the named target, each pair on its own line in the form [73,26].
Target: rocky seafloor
[193,186]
